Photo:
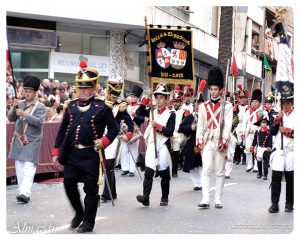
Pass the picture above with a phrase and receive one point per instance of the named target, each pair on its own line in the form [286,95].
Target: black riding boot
[110,174]
[289,203]
[147,186]
[165,186]
[275,190]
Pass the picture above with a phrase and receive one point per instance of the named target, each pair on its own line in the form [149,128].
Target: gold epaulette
[122,106]
[109,104]
[67,102]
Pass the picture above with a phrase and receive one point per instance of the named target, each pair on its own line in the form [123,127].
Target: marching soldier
[269,107]
[231,145]
[29,116]
[212,137]
[192,158]
[177,137]
[282,158]
[157,163]
[80,134]
[248,128]
[240,109]
[119,107]
[272,112]
[188,93]
[263,142]
[130,150]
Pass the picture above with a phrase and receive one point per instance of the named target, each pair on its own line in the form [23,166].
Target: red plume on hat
[83,64]
[177,88]
[201,86]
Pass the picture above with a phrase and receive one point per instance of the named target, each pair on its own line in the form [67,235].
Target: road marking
[57,229]
[225,185]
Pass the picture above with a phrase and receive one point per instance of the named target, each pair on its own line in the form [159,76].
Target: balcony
[253,65]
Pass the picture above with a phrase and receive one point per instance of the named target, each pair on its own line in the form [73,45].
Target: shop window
[30,62]
[83,40]
[255,43]
[23,58]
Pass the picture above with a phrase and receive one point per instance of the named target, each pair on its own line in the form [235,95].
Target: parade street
[246,200]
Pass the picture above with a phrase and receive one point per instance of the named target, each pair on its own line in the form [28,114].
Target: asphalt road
[246,200]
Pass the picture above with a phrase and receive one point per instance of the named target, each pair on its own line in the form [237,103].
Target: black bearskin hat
[256,95]
[136,91]
[215,77]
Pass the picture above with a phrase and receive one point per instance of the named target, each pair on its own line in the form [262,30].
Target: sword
[102,167]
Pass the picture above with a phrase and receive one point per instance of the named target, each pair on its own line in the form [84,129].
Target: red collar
[160,111]
[264,129]
[133,103]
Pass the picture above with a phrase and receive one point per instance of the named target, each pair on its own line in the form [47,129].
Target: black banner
[171,55]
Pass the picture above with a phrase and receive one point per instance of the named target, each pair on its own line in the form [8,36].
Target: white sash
[213,116]
[252,114]
[161,119]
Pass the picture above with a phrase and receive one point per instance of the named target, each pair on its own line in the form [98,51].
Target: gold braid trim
[122,107]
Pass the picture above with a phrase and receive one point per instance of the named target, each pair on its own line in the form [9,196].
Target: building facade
[50,44]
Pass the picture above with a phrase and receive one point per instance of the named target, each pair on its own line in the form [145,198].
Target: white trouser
[248,142]
[255,168]
[239,133]
[213,162]
[249,161]
[229,162]
[282,160]
[196,176]
[127,163]
[25,174]
[228,168]
[219,189]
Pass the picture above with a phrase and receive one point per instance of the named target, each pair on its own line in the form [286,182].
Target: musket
[251,90]
[151,105]
[223,103]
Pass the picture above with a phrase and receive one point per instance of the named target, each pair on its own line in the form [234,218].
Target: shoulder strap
[30,113]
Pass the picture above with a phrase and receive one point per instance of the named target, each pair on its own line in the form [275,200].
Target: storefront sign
[69,63]
[30,37]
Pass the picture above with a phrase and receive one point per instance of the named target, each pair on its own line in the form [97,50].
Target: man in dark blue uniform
[119,108]
[80,134]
